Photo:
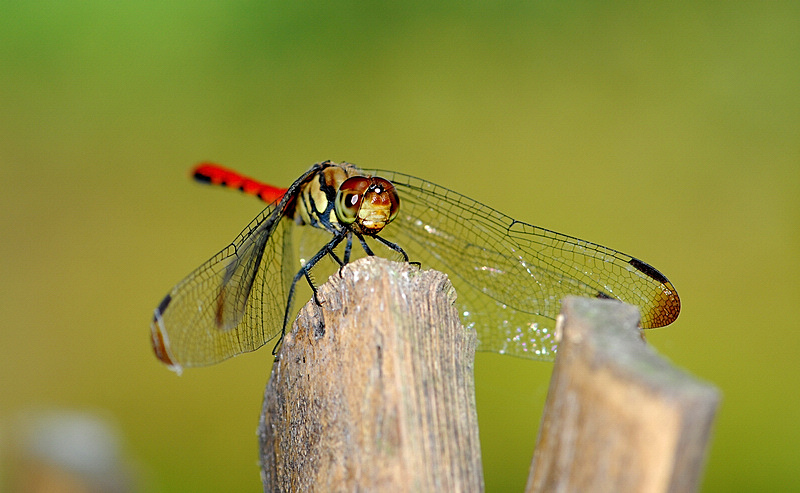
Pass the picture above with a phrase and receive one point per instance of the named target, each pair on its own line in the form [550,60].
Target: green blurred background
[668,131]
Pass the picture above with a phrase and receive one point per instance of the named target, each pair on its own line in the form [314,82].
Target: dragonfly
[509,276]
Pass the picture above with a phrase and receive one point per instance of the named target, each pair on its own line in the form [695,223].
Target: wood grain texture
[618,417]
[373,390]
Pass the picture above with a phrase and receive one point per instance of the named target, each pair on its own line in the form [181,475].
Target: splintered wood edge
[374,388]
[618,416]
[609,330]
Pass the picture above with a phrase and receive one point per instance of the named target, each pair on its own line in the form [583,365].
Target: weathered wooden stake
[373,390]
[618,417]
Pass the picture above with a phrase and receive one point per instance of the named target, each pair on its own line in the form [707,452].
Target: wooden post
[373,390]
[618,417]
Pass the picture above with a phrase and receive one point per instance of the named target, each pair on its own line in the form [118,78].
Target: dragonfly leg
[305,272]
[313,287]
[348,247]
[397,248]
[364,245]
[337,259]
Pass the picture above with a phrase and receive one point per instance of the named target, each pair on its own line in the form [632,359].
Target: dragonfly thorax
[316,199]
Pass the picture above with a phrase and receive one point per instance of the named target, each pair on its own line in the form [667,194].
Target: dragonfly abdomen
[215,174]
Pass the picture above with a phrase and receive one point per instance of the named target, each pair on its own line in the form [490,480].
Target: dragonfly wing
[231,304]
[510,276]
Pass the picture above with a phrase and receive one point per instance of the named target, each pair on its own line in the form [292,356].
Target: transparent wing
[511,276]
[231,304]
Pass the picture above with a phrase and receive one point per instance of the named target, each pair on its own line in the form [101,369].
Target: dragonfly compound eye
[349,198]
[367,204]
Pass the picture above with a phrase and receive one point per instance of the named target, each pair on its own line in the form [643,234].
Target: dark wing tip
[666,304]
[158,337]
[648,270]
[162,307]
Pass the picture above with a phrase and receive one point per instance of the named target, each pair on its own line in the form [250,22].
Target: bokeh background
[670,131]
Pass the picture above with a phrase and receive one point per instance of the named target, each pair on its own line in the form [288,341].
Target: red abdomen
[215,174]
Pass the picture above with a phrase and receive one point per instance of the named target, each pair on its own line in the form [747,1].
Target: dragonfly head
[366,204]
